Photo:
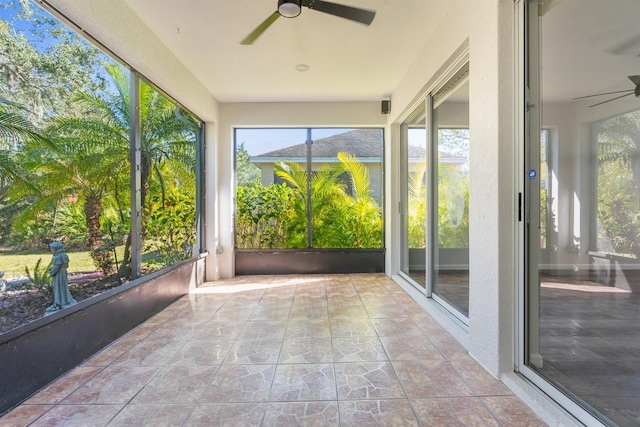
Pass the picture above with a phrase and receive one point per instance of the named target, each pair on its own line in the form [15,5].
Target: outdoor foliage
[276,215]
[453,212]
[65,148]
[619,185]
[417,207]
[40,279]
[170,227]
[246,172]
[265,216]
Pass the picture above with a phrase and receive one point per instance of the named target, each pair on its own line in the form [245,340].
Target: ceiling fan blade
[260,29]
[362,16]
[605,93]
[635,80]
[612,99]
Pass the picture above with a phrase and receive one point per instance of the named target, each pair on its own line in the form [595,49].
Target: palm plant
[339,219]
[93,150]
[15,130]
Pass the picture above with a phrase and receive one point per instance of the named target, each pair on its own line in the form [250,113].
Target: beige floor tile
[254,351]
[341,328]
[454,412]
[78,415]
[324,413]
[227,414]
[397,326]
[391,412]
[176,384]
[263,329]
[430,378]
[303,382]
[23,415]
[114,384]
[478,379]
[306,350]
[202,352]
[308,328]
[240,383]
[511,411]
[152,415]
[358,349]
[64,386]
[410,347]
[367,380]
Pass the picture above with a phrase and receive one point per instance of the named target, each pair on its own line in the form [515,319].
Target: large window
[67,142]
[309,188]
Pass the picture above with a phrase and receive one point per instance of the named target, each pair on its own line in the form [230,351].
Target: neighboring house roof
[361,143]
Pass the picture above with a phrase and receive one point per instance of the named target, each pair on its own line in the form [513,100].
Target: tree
[14,130]
[246,172]
[339,219]
[42,66]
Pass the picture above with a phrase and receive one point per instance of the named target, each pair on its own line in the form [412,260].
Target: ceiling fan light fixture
[289,8]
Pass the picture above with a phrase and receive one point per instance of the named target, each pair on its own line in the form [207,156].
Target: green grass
[13,264]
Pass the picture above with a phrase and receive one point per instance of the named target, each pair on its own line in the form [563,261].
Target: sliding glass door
[581,197]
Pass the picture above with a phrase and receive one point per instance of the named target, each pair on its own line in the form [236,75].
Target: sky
[263,140]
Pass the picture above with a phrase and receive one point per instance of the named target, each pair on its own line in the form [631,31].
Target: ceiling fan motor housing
[289,8]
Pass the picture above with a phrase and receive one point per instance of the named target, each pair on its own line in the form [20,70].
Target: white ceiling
[347,61]
[589,46]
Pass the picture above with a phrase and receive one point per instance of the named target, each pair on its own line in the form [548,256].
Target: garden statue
[58,271]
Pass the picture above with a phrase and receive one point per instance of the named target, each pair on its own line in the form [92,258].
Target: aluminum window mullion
[431,177]
[135,176]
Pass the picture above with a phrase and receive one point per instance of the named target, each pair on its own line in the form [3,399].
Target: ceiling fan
[292,8]
[634,79]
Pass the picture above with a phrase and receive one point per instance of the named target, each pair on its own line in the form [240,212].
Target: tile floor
[320,350]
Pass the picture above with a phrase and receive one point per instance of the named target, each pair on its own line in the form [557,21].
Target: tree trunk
[145,169]
[101,255]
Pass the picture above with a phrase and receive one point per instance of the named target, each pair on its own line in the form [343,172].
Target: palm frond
[292,173]
[358,173]
[15,129]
